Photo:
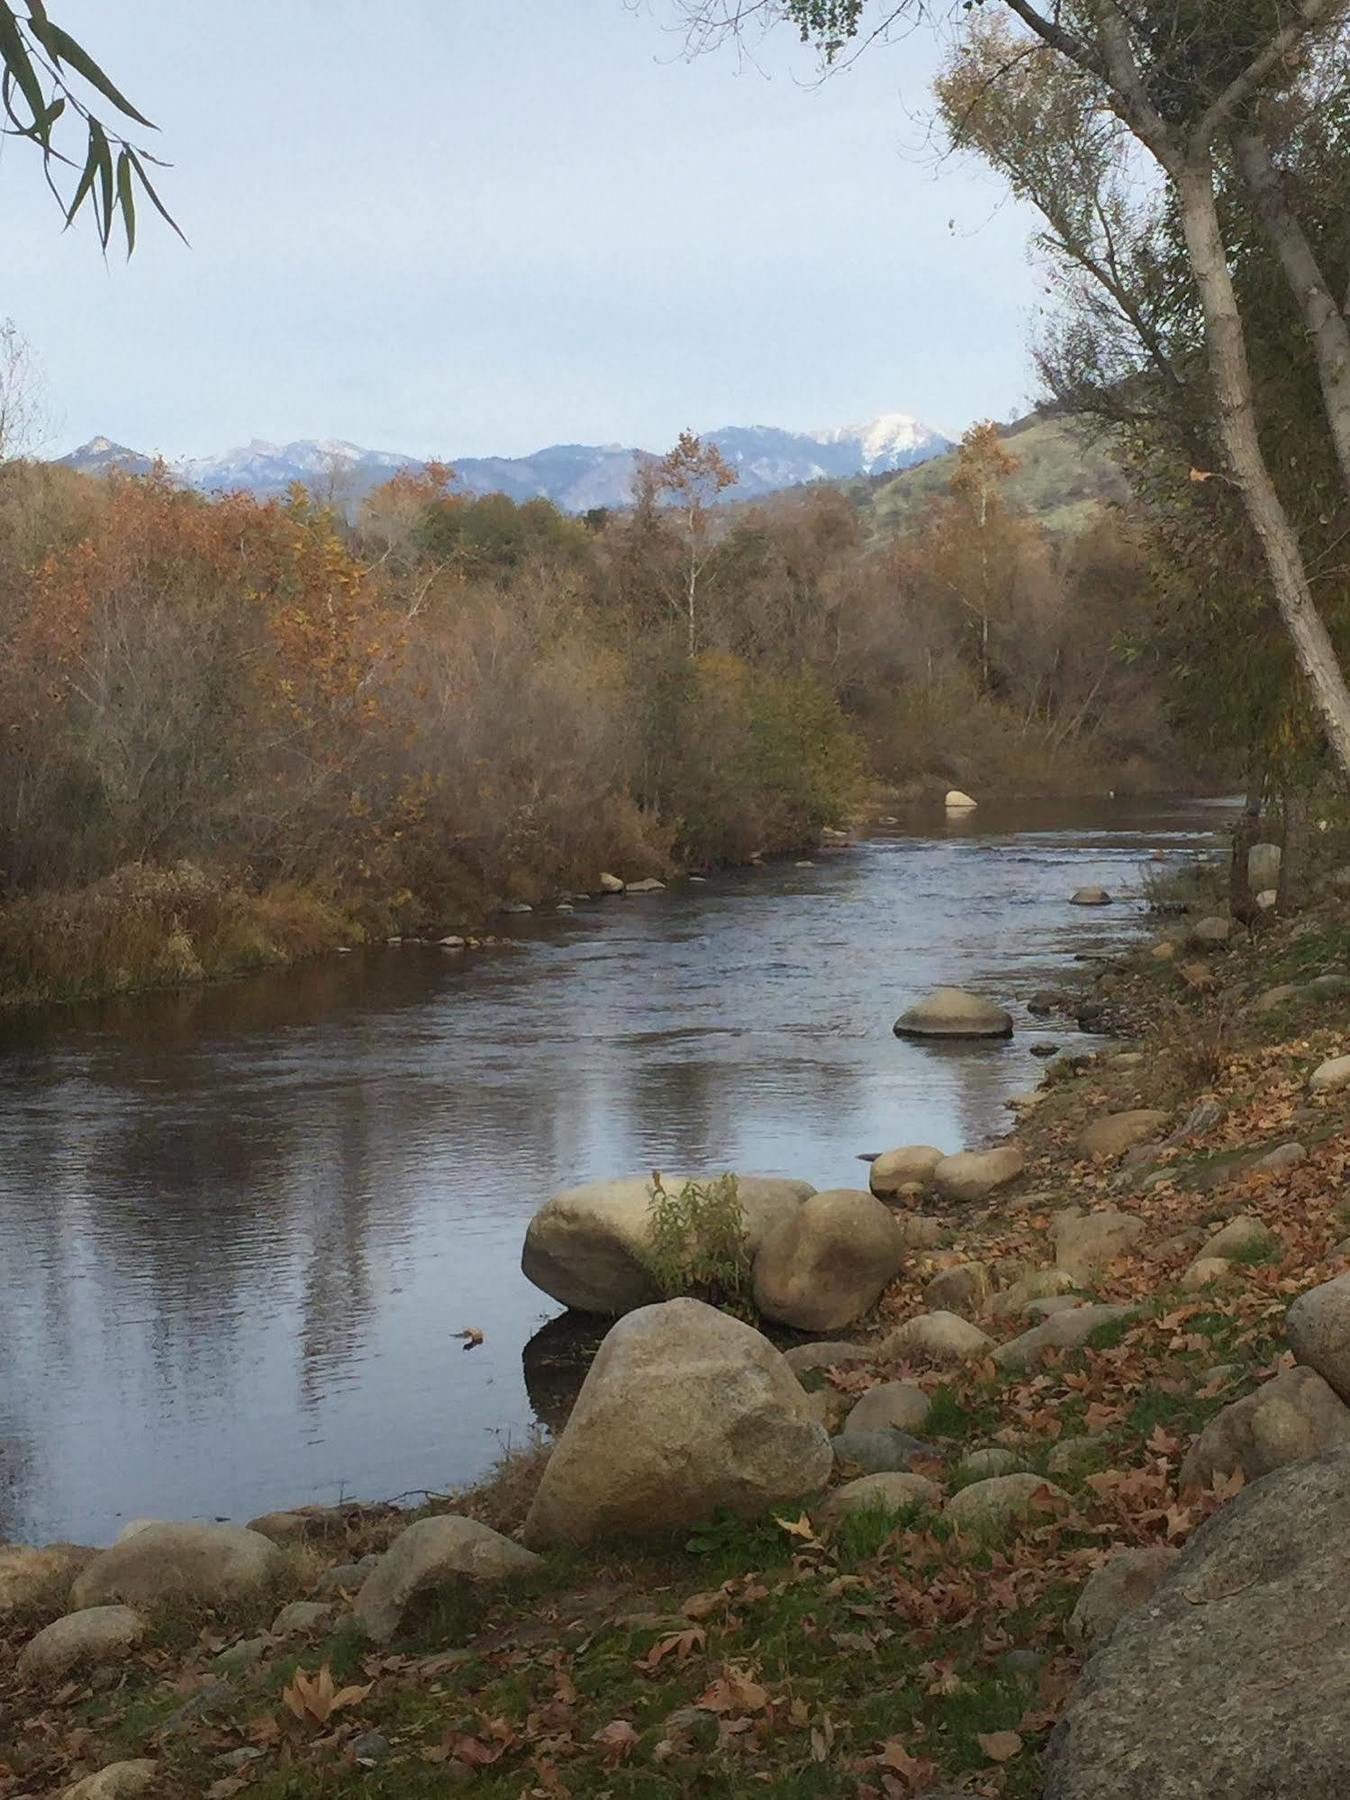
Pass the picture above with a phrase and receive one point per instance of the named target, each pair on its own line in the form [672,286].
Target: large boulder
[97,1634]
[894,1171]
[434,1553]
[956,800]
[1085,1242]
[936,1337]
[1109,1137]
[1122,1583]
[1293,1415]
[588,1246]
[971,1174]
[31,1577]
[1230,1679]
[1327,1077]
[1318,1328]
[950,1012]
[1068,1330]
[199,1562]
[825,1263]
[684,1410]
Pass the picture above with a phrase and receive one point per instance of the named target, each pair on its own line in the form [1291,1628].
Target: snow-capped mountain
[575,477]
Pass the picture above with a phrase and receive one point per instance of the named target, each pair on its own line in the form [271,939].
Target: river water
[241,1225]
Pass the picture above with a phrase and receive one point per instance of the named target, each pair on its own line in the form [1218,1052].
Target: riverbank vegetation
[890,1651]
[262,728]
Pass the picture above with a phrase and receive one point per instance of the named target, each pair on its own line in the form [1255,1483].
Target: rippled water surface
[239,1226]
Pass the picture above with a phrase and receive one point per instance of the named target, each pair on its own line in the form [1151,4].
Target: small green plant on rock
[697,1243]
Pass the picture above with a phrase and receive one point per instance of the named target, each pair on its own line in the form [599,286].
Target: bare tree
[22,415]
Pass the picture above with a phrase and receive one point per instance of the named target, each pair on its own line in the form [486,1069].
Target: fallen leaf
[999,1746]
[315,1698]
[472,1336]
[618,1741]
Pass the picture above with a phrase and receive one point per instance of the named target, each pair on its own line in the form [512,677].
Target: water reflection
[239,1226]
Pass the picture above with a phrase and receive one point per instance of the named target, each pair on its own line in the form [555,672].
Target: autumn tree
[688,480]
[1180,78]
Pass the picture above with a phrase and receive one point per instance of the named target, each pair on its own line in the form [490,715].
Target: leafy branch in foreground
[698,1244]
[42,68]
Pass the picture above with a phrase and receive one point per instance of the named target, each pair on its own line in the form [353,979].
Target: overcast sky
[480,226]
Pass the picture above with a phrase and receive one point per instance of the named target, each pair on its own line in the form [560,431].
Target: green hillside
[1063,478]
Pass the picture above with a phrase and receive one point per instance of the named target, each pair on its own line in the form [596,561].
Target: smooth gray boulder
[588,1246]
[881,1450]
[938,1337]
[1068,1330]
[203,1562]
[950,1012]
[827,1261]
[1241,1235]
[895,1171]
[890,1406]
[892,1491]
[972,1174]
[434,1553]
[684,1410]
[95,1634]
[1000,1500]
[1318,1328]
[1293,1415]
[1120,1585]
[1327,1077]
[1229,1680]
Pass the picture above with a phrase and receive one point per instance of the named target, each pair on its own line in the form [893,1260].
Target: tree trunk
[1231,376]
[1240,902]
[1294,842]
[1327,327]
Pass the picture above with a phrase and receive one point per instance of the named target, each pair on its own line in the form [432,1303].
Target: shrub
[698,1244]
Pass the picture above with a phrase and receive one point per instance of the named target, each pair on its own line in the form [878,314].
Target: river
[241,1225]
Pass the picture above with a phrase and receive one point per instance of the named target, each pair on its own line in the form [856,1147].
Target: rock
[118,1781]
[240,1657]
[1044,1002]
[891,1405]
[920,1233]
[802,1358]
[1263,867]
[938,1337]
[949,1012]
[610,884]
[826,1261]
[371,1747]
[649,886]
[1318,1328]
[963,1289]
[684,1410]
[1062,1331]
[1089,896]
[891,1491]
[1109,1137]
[1275,997]
[434,1553]
[1071,1455]
[31,1577]
[133,1528]
[827,1407]
[1294,1414]
[992,1459]
[1267,900]
[345,1578]
[213,1698]
[1045,1049]
[97,1634]
[1282,1157]
[988,1505]
[284,1527]
[587,1245]
[203,1562]
[1089,1015]
[955,801]
[514,909]
[1126,1059]
[880,1452]
[1084,1245]
[1163,951]
[1229,1680]
[301,1617]
[1330,986]
[1204,1272]
[971,1174]
[1242,1235]
[1118,1587]
[1037,1310]
[895,1170]
[452,943]
[1213,930]
[1039,1284]
[1330,1075]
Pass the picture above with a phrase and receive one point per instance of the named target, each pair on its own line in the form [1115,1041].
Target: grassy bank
[886,1655]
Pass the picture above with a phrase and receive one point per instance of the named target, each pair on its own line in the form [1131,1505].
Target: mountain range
[576,477]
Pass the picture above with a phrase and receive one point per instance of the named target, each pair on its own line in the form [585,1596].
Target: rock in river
[896,1170]
[588,1245]
[685,1410]
[950,1012]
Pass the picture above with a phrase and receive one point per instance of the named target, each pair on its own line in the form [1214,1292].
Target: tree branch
[1312,16]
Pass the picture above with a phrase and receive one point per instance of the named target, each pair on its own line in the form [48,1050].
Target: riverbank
[875,1653]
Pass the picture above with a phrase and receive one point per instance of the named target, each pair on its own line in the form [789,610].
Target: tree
[46,77]
[1180,76]
[688,479]
[20,402]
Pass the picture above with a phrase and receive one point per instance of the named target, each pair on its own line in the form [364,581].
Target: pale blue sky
[449,227]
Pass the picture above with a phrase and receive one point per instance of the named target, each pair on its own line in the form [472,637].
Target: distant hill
[575,477]
[1063,478]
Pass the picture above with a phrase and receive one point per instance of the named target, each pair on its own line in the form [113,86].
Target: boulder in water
[955,801]
[950,1012]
